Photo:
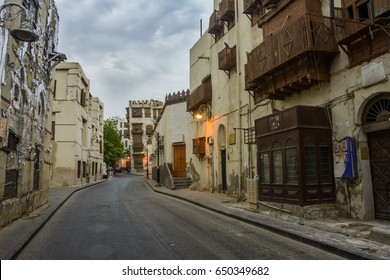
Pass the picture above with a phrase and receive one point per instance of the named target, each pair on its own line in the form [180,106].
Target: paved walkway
[349,238]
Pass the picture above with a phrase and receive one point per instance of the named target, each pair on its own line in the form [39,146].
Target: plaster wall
[26,108]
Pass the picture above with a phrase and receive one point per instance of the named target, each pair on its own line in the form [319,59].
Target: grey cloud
[133,49]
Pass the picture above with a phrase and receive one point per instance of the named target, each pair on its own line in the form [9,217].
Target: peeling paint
[26,102]
[195,176]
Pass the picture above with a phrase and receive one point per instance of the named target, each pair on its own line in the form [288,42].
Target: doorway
[223,170]
[179,161]
[379,145]
[376,116]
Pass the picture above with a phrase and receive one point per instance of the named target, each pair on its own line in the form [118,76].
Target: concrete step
[182,183]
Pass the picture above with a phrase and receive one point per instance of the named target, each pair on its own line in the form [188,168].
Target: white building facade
[173,145]
[78,126]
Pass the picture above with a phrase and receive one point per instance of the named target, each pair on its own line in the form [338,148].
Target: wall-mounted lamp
[24,33]
[203,112]
[198,115]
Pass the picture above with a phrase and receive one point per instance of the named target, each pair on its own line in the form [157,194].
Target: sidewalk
[338,236]
[14,236]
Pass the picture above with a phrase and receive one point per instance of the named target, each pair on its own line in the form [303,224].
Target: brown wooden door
[379,144]
[179,161]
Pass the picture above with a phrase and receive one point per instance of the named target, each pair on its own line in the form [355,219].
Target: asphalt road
[123,219]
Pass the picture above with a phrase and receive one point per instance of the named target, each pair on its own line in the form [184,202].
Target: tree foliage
[113,146]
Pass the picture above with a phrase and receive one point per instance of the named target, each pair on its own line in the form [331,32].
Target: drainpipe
[238,41]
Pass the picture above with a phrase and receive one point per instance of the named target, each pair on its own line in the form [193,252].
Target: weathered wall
[233,109]
[26,109]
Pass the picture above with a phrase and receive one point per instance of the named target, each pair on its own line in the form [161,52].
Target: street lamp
[24,33]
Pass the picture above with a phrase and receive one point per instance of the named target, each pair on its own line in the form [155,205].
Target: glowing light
[199,115]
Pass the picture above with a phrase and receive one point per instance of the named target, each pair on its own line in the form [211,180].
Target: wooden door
[179,161]
[379,144]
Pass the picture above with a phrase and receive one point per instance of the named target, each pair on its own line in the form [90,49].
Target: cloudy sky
[131,49]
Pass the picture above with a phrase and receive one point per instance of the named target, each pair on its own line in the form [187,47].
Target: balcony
[137,131]
[138,148]
[201,95]
[250,6]
[350,29]
[227,59]
[226,10]
[292,59]
[215,24]
[362,35]
[269,3]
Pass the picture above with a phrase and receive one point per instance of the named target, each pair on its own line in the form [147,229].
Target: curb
[278,230]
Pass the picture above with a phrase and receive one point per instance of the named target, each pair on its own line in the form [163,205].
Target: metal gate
[379,144]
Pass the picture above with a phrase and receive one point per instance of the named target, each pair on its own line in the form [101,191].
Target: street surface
[124,219]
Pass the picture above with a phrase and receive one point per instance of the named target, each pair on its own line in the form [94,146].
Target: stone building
[296,94]
[141,116]
[26,104]
[78,128]
[173,144]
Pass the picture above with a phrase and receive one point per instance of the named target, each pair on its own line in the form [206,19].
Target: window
[362,11]
[78,169]
[53,130]
[291,162]
[148,113]
[136,113]
[199,146]
[325,163]
[358,10]
[11,183]
[13,141]
[84,169]
[82,98]
[264,165]
[84,133]
[350,12]
[277,164]
[55,89]
[310,163]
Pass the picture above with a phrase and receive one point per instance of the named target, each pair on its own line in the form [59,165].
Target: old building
[296,94]
[141,116]
[28,40]
[173,144]
[221,157]
[78,129]
[123,127]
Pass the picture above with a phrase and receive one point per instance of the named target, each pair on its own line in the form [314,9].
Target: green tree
[113,146]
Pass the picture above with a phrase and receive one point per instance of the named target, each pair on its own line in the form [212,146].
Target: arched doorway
[376,121]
